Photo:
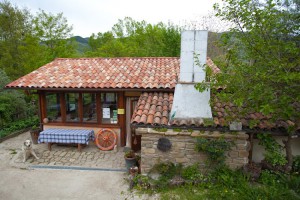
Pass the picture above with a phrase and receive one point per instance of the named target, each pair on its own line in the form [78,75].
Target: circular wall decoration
[45,120]
[106,139]
[164,144]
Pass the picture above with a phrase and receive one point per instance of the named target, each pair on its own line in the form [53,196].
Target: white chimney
[188,102]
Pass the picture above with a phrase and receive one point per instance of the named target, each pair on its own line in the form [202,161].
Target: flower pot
[130,162]
[35,135]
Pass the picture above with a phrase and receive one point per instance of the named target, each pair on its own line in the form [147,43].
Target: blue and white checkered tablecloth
[66,136]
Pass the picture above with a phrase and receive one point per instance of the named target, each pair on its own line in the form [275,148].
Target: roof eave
[94,89]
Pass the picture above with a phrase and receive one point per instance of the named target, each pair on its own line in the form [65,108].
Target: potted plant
[34,133]
[130,159]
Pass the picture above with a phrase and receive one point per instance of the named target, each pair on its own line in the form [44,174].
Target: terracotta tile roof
[146,72]
[255,120]
[212,65]
[154,108]
[99,73]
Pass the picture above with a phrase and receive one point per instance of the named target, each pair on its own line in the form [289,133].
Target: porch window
[53,107]
[89,107]
[72,113]
[109,108]
[99,108]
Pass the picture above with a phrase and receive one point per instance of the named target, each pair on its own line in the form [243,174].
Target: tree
[28,42]
[261,71]
[132,38]
[14,29]
[12,103]
[23,48]
[54,34]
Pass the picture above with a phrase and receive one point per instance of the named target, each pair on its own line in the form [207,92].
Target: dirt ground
[17,181]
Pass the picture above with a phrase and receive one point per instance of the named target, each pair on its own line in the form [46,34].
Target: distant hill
[81,39]
[83,44]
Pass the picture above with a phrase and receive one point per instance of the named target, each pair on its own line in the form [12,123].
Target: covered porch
[65,156]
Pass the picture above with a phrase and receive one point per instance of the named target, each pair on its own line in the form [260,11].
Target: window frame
[105,98]
[58,96]
[99,112]
[82,107]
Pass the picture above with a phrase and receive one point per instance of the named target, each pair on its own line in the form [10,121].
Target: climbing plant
[214,148]
[273,154]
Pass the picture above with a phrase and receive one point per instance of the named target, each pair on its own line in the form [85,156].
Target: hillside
[83,44]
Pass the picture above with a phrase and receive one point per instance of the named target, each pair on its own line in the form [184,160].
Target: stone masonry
[183,148]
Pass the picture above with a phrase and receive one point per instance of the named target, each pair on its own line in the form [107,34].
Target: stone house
[135,96]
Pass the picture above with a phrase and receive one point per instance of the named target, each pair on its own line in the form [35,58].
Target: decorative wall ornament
[164,144]
[45,120]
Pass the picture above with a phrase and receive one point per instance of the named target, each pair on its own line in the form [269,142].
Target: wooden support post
[79,147]
[49,146]
[121,118]
[251,148]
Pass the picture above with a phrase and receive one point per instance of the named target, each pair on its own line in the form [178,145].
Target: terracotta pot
[35,135]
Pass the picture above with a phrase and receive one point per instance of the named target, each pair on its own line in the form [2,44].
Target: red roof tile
[156,114]
[100,73]
[212,65]
[125,72]
[159,115]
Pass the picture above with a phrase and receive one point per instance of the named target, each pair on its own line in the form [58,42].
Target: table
[66,136]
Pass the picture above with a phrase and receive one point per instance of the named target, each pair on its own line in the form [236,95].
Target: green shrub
[18,125]
[296,164]
[292,182]
[167,170]
[273,154]
[141,182]
[269,178]
[228,177]
[251,192]
[215,148]
[224,183]
[192,173]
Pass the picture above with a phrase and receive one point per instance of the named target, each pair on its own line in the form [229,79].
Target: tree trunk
[288,148]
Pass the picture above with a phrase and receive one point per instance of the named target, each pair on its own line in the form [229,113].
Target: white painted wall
[188,102]
[192,43]
[258,150]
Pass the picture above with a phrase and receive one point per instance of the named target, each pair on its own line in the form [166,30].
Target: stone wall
[183,148]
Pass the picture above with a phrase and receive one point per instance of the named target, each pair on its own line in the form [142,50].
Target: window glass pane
[89,107]
[53,107]
[72,107]
[109,108]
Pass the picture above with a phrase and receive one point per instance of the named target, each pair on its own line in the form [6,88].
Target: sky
[93,16]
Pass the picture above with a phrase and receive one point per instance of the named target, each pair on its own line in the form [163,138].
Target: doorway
[132,140]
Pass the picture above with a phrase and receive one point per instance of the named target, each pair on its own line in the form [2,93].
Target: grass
[220,183]
[13,151]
